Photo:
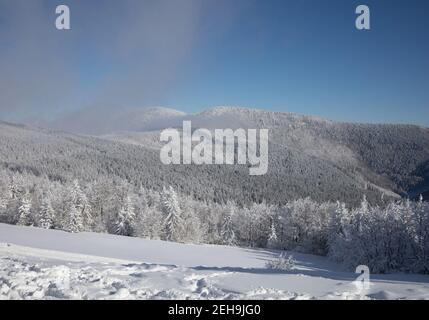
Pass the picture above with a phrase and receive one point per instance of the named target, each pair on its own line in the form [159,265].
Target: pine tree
[78,215]
[24,211]
[82,205]
[75,223]
[46,214]
[360,215]
[119,226]
[193,229]
[14,189]
[173,220]
[338,222]
[5,196]
[125,218]
[272,238]
[339,233]
[227,228]
[421,212]
[3,202]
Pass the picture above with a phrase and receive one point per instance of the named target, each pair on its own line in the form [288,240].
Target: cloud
[126,53]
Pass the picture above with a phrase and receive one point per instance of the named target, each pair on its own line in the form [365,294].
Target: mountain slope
[386,156]
[308,157]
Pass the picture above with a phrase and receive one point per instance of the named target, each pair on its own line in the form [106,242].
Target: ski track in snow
[179,271]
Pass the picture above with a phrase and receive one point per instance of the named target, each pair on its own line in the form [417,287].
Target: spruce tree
[173,220]
[24,211]
[82,205]
[272,239]
[125,217]
[75,223]
[46,213]
[227,228]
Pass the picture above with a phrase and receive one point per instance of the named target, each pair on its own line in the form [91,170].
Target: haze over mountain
[97,120]
[308,156]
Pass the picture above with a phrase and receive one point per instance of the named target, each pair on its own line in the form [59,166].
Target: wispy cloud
[126,54]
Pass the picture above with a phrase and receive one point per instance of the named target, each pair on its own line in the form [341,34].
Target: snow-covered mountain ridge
[308,156]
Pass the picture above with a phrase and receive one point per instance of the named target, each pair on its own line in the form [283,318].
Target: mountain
[308,157]
[389,157]
[104,120]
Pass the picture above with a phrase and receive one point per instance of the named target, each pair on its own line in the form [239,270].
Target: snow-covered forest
[116,184]
[214,150]
[389,238]
[308,157]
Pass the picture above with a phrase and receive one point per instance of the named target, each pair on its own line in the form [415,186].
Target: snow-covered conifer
[173,220]
[227,228]
[272,241]
[74,223]
[125,217]
[46,213]
[82,205]
[24,211]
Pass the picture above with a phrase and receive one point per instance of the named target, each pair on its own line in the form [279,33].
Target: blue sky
[296,56]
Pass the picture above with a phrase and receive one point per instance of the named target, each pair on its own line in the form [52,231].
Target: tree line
[391,238]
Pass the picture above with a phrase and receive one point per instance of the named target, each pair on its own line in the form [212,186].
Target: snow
[51,264]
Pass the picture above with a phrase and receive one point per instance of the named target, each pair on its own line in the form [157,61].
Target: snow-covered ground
[51,264]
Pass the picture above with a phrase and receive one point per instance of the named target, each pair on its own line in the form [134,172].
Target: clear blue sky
[297,56]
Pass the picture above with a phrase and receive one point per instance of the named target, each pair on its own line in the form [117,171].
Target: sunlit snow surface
[49,264]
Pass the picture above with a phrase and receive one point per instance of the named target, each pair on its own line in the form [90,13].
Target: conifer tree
[173,220]
[74,220]
[46,214]
[272,238]
[24,211]
[125,217]
[227,228]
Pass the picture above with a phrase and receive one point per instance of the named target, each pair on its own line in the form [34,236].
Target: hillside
[308,157]
[383,157]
